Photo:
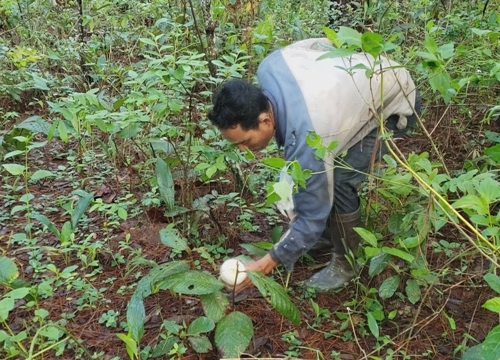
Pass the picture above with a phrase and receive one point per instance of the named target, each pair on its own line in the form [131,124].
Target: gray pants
[359,158]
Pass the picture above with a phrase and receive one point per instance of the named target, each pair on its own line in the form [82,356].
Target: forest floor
[420,330]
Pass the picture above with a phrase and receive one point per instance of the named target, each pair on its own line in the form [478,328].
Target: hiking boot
[345,243]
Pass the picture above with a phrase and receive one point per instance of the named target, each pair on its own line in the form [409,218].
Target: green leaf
[474,353]
[13,153]
[39,82]
[233,334]
[332,36]
[399,253]
[82,205]
[493,281]
[430,44]
[35,124]
[6,305]
[136,315]
[412,291]
[162,145]
[491,345]
[131,345]
[200,344]
[8,270]
[349,36]
[214,305]
[14,169]
[49,224]
[165,183]
[276,295]
[164,347]
[389,287]
[147,41]
[192,282]
[276,163]
[150,283]
[367,236]
[63,131]
[169,236]
[336,53]
[378,263]
[489,189]
[200,325]
[372,43]
[372,324]
[493,152]
[41,174]
[493,304]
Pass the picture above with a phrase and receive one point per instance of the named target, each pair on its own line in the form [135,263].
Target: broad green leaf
[254,250]
[49,224]
[19,293]
[164,347]
[130,343]
[489,190]
[276,163]
[8,270]
[474,353]
[39,82]
[372,324]
[149,284]
[200,344]
[412,291]
[372,43]
[169,236]
[147,41]
[165,183]
[214,305]
[367,236]
[493,281]
[14,169]
[233,334]
[493,304]
[200,325]
[51,332]
[63,131]
[378,263]
[162,145]
[491,345]
[493,152]
[473,202]
[389,287]
[399,253]
[430,44]
[80,208]
[332,36]
[41,174]
[276,295]
[192,282]
[349,36]
[6,305]
[136,315]
[35,124]
[13,153]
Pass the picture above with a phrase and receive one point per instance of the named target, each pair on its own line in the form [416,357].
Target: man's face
[253,139]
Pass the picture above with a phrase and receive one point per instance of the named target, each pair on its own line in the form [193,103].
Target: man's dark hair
[238,102]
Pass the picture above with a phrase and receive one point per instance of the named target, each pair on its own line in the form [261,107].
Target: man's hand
[264,265]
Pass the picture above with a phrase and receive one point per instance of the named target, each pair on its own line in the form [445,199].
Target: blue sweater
[338,102]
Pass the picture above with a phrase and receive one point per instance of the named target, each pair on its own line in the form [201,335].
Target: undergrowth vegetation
[119,201]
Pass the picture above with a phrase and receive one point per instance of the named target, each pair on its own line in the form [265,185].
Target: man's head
[243,114]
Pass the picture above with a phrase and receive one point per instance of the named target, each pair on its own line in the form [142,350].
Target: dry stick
[441,118]
[355,335]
